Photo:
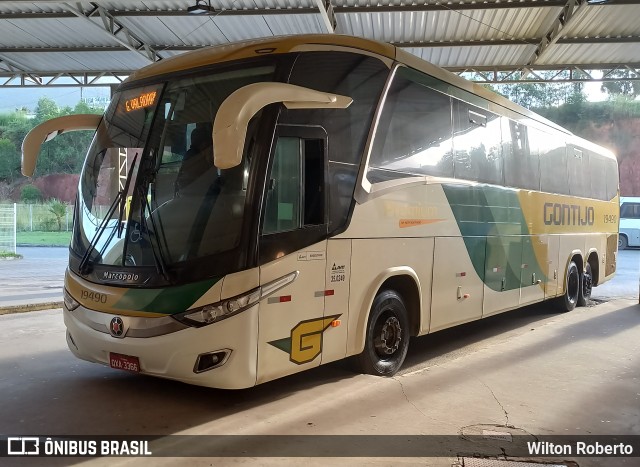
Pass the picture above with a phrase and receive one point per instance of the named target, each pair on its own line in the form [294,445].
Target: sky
[12,98]
[593,92]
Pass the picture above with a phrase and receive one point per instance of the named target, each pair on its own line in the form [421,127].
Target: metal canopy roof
[92,43]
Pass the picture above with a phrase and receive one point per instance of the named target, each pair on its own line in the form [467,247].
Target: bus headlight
[218,311]
[215,312]
[69,302]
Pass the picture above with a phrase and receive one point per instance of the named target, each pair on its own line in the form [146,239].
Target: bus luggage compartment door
[502,274]
[457,291]
[533,272]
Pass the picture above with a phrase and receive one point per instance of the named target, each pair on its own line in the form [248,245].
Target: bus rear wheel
[586,286]
[572,290]
[387,338]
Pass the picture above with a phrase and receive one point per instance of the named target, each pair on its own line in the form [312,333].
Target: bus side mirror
[232,119]
[48,130]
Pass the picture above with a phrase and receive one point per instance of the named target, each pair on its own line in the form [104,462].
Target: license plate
[124,362]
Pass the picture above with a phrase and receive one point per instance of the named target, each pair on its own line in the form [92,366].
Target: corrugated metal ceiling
[505,35]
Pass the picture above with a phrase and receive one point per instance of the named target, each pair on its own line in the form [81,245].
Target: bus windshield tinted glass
[178,206]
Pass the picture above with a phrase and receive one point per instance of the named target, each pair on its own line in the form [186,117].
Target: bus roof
[258,47]
[286,44]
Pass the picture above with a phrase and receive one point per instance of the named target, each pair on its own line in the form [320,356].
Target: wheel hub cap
[391,335]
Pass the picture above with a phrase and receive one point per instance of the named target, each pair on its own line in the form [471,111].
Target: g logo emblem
[117,327]
[305,343]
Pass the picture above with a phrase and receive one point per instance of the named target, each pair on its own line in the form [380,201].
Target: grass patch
[9,255]
[43,238]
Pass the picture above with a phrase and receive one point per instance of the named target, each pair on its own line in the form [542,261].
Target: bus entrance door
[293,249]
[292,322]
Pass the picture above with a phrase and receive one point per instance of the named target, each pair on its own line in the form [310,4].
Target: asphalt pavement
[530,372]
[35,281]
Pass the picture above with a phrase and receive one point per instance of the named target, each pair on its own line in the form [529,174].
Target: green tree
[46,110]
[627,88]
[59,211]
[63,154]
[542,95]
[9,160]
[83,108]
[13,128]
[30,194]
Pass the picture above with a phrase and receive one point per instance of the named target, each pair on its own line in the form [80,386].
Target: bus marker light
[335,323]
[461,274]
[323,293]
[285,298]
[466,295]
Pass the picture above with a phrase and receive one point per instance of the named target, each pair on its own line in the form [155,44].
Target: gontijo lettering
[568,214]
[141,101]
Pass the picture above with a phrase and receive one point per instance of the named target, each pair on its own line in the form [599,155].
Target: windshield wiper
[158,257]
[123,198]
[120,198]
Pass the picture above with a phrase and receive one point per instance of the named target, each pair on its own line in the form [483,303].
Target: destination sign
[142,101]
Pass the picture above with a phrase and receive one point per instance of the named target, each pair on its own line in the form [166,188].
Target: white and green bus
[629,222]
[250,211]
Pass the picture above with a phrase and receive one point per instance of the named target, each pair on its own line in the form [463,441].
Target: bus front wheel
[572,290]
[387,338]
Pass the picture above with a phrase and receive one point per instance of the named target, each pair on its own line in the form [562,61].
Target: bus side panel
[457,293]
[502,274]
[553,284]
[595,244]
[336,300]
[570,245]
[533,273]
[610,260]
[375,260]
[409,211]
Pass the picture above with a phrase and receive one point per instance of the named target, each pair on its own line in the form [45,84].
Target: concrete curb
[30,245]
[8,310]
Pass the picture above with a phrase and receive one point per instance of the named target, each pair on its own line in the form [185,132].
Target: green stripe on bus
[167,301]
[495,234]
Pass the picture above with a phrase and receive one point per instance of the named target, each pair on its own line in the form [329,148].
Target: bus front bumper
[174,355]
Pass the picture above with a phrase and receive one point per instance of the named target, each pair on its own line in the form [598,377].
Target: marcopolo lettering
[568,214]
[120,276]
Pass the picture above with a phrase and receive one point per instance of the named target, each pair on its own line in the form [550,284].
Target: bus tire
[570,298]
[387,337]
[586,285]
[623,243]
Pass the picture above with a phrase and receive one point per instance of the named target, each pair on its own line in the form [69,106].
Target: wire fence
[43,218]
[8,228]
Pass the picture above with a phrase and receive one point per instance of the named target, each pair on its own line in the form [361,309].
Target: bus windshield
[149,192]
